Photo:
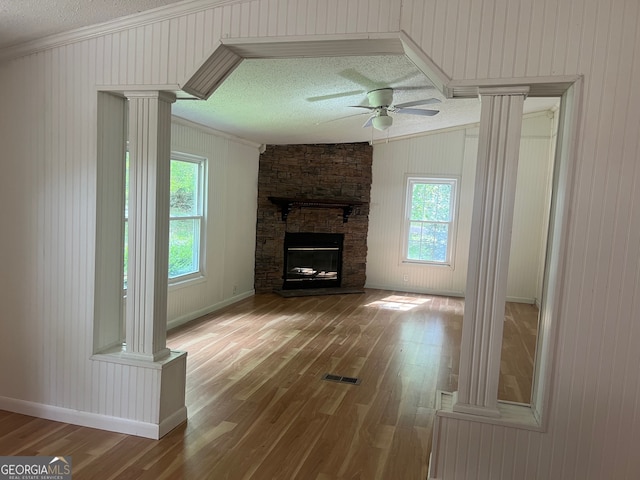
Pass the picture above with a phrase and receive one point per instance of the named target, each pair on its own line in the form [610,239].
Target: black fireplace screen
[312,260]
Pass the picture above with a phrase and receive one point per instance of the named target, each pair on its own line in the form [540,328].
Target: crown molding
[212,131]
[466,126]
[147,17]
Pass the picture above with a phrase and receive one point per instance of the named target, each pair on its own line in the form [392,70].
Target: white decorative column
[496,173]
[149,171]
[145,394]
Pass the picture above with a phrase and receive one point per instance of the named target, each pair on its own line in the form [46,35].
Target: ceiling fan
[381,104]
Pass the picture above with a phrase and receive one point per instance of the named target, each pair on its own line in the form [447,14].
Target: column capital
[168,97]
[502,91]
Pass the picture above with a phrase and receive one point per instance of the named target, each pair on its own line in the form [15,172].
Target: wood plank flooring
[518,352]
[259,409]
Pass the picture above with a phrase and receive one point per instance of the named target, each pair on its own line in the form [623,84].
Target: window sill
[179,283]
[419,263]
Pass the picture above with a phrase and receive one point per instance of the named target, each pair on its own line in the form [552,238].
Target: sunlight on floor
[398,302]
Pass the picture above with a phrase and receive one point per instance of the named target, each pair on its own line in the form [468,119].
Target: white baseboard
[168,424]
[94,420]
[444,293]
[424,291]
[176,322]
[521,300]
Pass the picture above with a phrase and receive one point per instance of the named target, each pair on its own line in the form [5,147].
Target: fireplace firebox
[312,260]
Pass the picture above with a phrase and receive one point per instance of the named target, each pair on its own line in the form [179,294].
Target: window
[429,220]
[186,217]
[186,220]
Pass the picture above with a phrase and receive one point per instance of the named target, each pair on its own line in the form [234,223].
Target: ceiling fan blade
[408,76]
[369,121]
[356,77]
[363,106]
[426,101]
[414,87]
[335,95]
[417,111]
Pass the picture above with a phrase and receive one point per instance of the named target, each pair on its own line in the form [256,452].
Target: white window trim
[202,202]
[410,180]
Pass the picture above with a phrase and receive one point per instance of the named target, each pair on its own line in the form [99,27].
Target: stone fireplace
[307,191]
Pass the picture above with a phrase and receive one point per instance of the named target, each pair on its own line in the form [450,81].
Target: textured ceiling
[304,100]
[311,100]
[271,101]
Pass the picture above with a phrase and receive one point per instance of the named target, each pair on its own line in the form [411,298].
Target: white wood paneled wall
[593,427]
[512,39]
[108,324]
[50,176]
[49,151]
[462,448]
[530,218]
[168,51]
[231,207]
[454,153]
[438,154]
[49,171]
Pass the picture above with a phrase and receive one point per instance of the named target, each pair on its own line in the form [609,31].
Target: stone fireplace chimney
[328,174]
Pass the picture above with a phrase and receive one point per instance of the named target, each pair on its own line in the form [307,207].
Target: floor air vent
[339,378]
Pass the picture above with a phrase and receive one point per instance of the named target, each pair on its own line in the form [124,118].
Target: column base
[144,392]
[470,409]
[147,357]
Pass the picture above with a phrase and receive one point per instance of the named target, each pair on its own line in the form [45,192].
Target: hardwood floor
[518,352]
[259,409]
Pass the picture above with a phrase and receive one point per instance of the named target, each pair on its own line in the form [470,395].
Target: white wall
[230,218]
[48,185]
[436,154]
[47,249]
[594,398]
[48,181]
[531,209]
[453,152]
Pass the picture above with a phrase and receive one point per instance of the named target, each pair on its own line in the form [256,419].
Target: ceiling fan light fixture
[382,122]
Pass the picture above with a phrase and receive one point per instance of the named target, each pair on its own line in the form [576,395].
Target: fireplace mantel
[286,204]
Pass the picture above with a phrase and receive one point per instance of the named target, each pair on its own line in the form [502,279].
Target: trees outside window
[186,217]
[429,220]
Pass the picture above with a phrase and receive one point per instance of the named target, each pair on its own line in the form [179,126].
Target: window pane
[418,201]
[126,185]
[126,252]
[428,241]
[431,202]
[184,188]
[441,199]
[184,247]
[186,200]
